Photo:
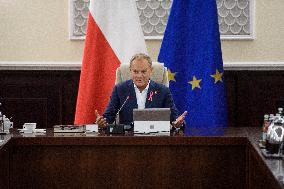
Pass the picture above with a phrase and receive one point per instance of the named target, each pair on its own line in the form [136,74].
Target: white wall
[37,30]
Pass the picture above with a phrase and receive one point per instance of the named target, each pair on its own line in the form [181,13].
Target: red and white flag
[114,35]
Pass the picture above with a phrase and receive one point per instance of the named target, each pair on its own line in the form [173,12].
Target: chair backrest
[160,74]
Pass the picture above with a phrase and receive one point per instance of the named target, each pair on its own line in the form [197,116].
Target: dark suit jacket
[161,98]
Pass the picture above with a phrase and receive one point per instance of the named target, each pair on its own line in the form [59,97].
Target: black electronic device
[117,128]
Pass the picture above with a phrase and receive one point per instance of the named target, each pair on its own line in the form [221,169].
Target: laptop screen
[152,114]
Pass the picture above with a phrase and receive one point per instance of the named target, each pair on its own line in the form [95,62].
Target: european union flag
[191,50]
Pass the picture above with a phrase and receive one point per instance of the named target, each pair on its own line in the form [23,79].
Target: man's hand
[101,121]
[179,121]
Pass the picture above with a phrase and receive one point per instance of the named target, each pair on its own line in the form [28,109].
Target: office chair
[160,74]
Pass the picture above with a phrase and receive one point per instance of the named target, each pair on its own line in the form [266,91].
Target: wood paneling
[251,94]
[44,97]
[49,97]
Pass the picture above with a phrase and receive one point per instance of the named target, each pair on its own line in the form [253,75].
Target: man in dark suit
[139,92]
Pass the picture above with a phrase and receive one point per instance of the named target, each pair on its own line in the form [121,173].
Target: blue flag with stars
[191,50]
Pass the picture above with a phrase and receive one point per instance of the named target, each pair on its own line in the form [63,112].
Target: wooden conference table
[228,160]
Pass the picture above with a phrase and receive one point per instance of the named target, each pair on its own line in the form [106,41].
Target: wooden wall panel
[44,97]
[27,110]
[231,95]
[257,93]
[49,97]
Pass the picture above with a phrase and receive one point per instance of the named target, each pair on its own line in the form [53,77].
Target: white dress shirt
[141,96]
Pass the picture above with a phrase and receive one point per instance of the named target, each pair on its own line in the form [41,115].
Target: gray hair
[141,56]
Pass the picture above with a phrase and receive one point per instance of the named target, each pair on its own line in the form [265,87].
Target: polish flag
[114,35]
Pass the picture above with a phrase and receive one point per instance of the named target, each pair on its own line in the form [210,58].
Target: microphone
[121,107]
[117,128]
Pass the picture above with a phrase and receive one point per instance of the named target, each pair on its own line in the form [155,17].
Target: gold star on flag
[217,76]
[171,75]
[195,83]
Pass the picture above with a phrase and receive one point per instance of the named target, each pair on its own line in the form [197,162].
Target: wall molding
[46,65]
[254,66]
[39,65]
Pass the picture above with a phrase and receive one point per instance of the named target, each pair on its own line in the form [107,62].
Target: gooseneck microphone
[120,109]
[117,128]
[122,106]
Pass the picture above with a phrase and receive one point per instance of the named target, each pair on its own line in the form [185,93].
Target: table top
[220,136]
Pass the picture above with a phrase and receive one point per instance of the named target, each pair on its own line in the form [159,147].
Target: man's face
[141,72]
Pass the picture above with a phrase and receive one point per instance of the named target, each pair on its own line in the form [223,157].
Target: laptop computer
[152,120]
